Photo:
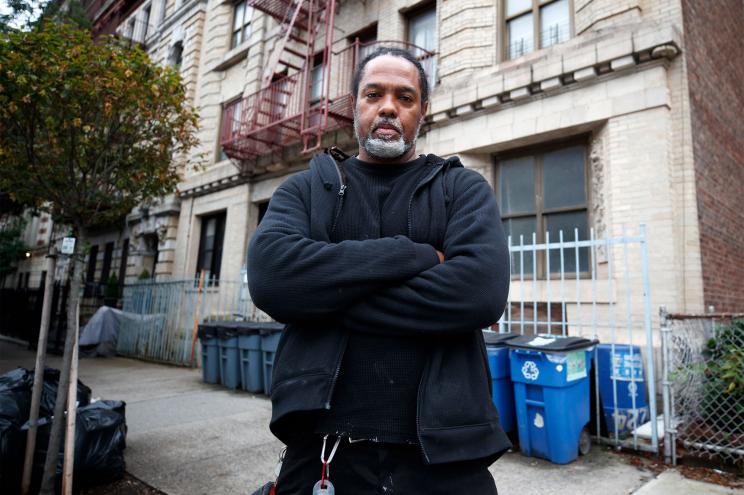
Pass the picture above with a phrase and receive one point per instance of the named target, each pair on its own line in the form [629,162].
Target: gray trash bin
[269,342]
[210,345]
[251,356]
[229,355]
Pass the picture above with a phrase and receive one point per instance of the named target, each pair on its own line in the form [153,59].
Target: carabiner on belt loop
[326,462]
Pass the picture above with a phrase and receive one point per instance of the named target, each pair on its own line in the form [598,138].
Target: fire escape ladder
[286,26]
[281,113]
[315,119]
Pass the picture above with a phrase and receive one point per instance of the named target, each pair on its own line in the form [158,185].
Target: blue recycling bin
[551,395]
[210,346]
[501,385]
[269,343]
[622,387]
[229,355]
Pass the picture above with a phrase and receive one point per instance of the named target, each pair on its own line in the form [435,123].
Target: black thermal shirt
[376,391]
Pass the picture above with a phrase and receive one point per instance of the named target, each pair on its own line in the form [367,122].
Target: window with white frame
[175,54]
[316,78]
[241,28]
[545,192]
[210,247]
[232,112]
[534,24]
[422,32]
[146,22]
[367,38]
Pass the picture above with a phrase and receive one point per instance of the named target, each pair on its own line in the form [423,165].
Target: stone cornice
[578,60]
[214,186]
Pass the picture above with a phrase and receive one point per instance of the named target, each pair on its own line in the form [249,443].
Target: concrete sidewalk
[189,438]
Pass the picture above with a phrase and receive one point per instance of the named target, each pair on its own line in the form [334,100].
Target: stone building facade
[612,87]
[635,102]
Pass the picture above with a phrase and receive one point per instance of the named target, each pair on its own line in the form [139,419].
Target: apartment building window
[92,261]
[175,54]
[91,272]
[231,114]
[146,22]
[131,25]
[367,38]
[316,78]
[535,24]
[210,246]
[241,29]
[123,261]
[545,191]
[422,32]
[108,253]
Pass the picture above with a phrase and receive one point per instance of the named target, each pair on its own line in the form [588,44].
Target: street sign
[68,245]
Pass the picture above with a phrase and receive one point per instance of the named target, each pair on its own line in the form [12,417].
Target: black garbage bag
[15,395]
[49,392]
[15,404]
[100,438]
[12,448]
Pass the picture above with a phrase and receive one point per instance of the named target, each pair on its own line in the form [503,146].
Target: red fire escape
[305,90]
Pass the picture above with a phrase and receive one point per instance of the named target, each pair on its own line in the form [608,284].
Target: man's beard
[384,148]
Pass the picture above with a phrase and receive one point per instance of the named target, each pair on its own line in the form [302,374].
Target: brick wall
[714,50]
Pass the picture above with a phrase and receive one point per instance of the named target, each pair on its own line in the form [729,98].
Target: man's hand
[441,256]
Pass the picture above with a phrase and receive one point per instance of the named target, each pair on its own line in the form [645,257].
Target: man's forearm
[293,277]
[466,291]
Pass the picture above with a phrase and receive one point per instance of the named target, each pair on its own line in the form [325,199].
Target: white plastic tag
[327,489]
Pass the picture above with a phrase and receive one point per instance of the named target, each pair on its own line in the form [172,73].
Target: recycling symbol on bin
[530,371]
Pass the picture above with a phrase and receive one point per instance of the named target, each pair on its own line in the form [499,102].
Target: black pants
[367,468]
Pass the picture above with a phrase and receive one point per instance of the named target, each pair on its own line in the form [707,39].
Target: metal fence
[162,317]
[596,288]
[703,362]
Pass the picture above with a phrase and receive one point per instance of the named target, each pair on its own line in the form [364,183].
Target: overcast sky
[4,9]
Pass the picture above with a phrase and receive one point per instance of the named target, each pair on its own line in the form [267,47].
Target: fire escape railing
[298,108]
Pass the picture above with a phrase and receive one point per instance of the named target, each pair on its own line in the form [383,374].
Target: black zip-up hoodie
[392,286]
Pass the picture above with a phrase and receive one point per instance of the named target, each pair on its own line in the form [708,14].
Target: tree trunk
[69,462]
[55,438]
[41,350]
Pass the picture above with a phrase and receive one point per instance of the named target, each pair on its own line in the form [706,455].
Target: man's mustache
[394,123]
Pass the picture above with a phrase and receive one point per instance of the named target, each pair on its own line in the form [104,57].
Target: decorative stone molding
[598,202]
[213,186]
[575,61]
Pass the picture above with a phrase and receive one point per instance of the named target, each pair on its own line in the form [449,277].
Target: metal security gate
[596,288]
[160,317]
[702,366]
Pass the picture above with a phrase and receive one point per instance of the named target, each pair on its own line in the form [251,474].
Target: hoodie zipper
[341,193]
[418,409]
[339,205]
[419,399]
[421,184]
[338,370]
